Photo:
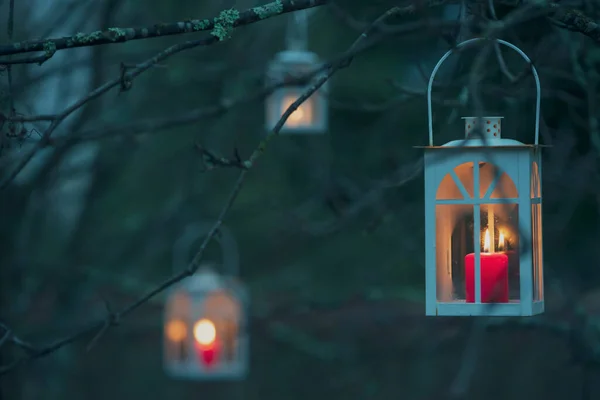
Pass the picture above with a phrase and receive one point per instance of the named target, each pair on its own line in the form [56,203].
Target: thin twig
[501,62]
[124,81]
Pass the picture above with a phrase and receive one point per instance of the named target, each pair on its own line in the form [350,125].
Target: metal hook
[463,44]
[229,248]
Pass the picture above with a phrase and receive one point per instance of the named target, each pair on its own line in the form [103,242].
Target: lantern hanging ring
[229,248]
[465,43]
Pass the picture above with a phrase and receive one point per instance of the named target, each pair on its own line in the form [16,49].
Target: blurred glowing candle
[494,273]
[177,333]
[205,334]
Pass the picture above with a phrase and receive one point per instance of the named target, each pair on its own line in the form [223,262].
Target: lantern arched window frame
[205,325]
[488,182]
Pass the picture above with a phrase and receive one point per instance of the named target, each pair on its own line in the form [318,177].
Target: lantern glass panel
[177,328]
[225,312]
[453,242]
[495,184]
[505,188]
[309,117]
[494,229]
[536,242]
[458,184]
[303,116]
[499,254]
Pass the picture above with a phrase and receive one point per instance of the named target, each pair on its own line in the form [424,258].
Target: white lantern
[483,222]
[205,326]
[311,117]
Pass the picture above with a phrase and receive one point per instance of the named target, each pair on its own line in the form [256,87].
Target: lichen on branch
[224,23]
[269,10]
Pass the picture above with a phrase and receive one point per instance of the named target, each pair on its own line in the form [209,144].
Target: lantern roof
[208,279]
[205,279]
[487,143]
[483,132]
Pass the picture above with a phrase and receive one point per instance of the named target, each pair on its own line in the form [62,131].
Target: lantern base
[514,308]
[185,371]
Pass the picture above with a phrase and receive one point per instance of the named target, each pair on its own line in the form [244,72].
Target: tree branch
[112,319]
[127,75]
[220,28]
[157,124]
[574,20]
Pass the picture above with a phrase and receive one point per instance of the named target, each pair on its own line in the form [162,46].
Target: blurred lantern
[311,117]
[205,335]
[483,218]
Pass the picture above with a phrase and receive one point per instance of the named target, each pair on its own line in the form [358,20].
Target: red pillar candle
[208,354]
[494,277]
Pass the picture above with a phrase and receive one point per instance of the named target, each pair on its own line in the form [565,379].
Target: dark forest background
[330,228]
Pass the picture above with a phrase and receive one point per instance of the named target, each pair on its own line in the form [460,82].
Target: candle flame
[501,241]
[486,241]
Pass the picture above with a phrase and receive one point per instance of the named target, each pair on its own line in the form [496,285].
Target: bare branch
[501,62]
[125,82]
[154,125]
[212,160]
[100,327]
[7,334]
[220,27]
[574,20]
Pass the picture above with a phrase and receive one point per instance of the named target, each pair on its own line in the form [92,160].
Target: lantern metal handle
[229,248]
[465,43]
